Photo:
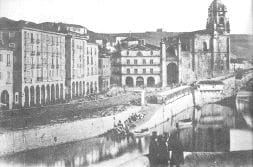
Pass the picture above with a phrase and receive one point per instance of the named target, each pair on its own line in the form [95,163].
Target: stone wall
[172,107]
[49,135]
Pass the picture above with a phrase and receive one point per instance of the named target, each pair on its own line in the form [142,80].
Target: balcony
[154,64]
[141,73]
[33,66]
[39,65]
[39,79]
[33,53]
[28,80]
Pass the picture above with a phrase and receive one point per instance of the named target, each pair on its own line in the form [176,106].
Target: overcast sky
[115,16]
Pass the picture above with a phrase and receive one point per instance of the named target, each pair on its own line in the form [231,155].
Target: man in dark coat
[163,154]
[176,147]
[153,148]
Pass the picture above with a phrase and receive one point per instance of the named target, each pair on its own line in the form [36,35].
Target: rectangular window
[11,35]
[1,35]
[88,60]
[144,71]
[8,76]
[12,45]
[16,97]
[1,57]
[0,75]
[135,61]
[144,61]
[128,71]
[135,71]
[8,60]
[32,39]
[128,62]
[151,71]
[151,61]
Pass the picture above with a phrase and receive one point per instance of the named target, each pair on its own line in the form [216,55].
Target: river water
[218,129]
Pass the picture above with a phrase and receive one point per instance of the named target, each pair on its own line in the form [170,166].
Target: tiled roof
[184,37]
[46,26]
[131,39]
[143,47]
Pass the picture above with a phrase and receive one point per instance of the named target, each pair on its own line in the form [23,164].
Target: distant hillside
[153,38]
[241,44]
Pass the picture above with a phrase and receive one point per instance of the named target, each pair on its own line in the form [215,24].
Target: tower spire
[217,21]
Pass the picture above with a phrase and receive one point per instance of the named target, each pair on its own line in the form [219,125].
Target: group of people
[162,146]
[134,117]
[121,129]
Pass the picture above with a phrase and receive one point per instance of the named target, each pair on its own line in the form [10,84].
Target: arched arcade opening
[150,82]
[129,82]
[139,81]
[5,99]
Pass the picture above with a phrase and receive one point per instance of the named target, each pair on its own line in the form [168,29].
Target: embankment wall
[49,135]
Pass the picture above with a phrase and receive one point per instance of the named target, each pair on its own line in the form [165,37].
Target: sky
[118,16]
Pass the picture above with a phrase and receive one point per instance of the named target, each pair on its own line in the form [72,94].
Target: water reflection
[211,133]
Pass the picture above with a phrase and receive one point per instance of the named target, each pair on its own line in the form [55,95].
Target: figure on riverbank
[153,148]
[176,148]
[163,152]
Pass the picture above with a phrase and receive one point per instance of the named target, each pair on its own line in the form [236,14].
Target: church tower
[219,28]
[217,21]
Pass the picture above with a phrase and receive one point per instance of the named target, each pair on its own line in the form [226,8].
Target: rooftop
[211,82]
[6,23]
[143,47]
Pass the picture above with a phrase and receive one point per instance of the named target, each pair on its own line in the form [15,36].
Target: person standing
[176,147]
[153,148]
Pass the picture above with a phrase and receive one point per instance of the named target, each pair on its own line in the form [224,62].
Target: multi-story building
[92,68]
[138,63]
[81,60]
[76,58]
[39,62]
[200,54]
[6,78]
[104,65]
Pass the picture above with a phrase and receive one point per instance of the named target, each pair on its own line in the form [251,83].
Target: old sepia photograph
[126,83]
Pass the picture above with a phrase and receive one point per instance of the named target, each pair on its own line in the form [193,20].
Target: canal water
[218,129]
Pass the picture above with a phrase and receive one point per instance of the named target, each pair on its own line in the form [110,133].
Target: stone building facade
[50,61]
[92,69]
[104,66]
[138,63]
[43,66]
[76,57]
[39,62]
[6,78]
[200,54]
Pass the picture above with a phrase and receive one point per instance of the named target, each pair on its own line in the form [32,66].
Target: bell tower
[218,21]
